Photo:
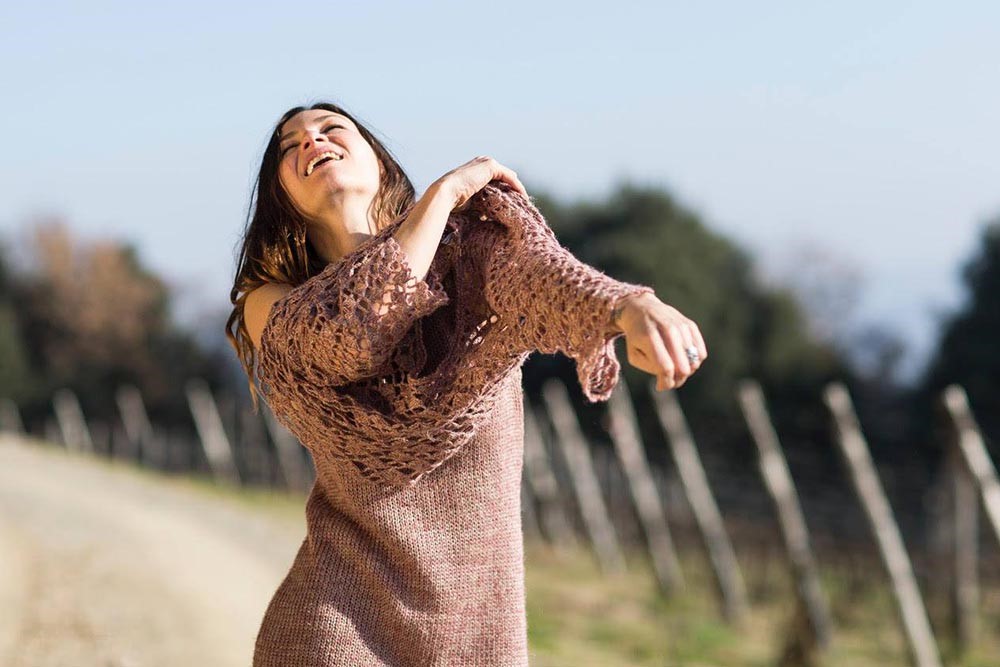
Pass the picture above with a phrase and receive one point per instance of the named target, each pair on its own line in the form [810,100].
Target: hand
[468,179]
[657,336]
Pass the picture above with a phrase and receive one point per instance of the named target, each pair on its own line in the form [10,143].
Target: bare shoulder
[258,306]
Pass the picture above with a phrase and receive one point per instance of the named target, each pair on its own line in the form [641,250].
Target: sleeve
[342,324]
[554,301]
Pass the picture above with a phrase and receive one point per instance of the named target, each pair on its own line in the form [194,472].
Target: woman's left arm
[557,303]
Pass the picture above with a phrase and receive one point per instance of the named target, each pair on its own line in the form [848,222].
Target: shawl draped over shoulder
[369,366]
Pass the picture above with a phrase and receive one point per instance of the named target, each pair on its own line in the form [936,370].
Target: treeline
[89,317]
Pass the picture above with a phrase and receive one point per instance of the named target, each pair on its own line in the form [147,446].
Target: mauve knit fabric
[407,394]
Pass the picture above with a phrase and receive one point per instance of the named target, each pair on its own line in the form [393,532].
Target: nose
[312,137]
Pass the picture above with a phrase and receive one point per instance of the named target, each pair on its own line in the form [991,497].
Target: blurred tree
[91,317]
[827,285]
[642,235]
[969,349]
[877,352]
[16,380]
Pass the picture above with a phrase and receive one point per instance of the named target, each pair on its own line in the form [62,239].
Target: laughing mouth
[322,158]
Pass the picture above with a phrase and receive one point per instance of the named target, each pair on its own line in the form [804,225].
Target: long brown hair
[275,247]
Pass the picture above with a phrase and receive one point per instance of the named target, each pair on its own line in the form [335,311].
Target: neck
[341,227]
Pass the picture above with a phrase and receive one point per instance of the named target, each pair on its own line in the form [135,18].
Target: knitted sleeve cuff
[553,301]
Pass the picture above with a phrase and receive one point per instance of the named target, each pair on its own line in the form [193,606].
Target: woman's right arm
[420,233]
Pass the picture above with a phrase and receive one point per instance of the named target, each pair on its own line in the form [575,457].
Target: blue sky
[864,131]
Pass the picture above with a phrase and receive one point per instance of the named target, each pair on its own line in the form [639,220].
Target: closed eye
[324,130]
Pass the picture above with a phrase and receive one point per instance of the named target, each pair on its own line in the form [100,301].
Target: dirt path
[101,566]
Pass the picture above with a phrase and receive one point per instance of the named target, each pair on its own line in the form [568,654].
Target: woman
[388,334]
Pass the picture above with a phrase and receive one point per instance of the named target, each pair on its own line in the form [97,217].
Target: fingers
[650,355]
[663,380]
[502,172]
[664,365]
[674,338]
[510,176]
[690,334]
[663,352]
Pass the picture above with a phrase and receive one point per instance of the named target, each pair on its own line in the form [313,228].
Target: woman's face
[353,169]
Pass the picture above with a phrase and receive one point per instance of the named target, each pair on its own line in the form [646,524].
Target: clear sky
[867,130]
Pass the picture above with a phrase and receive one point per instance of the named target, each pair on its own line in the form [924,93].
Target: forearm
[420,233]
[558,303]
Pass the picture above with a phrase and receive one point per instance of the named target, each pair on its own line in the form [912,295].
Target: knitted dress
[407,394]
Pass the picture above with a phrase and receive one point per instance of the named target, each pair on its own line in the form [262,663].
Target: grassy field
[579,618]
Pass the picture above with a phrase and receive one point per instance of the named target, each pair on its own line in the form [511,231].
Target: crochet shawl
[387,376]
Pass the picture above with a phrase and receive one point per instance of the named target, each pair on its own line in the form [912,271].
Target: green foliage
[969,348]
[16,379]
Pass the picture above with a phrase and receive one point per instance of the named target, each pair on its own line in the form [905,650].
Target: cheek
[286,176]
[376,165]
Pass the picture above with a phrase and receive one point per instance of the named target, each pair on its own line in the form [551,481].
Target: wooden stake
[972,474]
[138,428]
[706,512]
[965,551]
[593,511]
[778,480]
[211,433]
[553,520]
[10,417]
[72,424]
[632,457]
[974,453]
[890,543]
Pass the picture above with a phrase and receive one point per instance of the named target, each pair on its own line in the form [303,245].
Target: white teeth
[312,162]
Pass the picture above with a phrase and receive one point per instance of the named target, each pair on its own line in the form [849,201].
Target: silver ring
[693,355]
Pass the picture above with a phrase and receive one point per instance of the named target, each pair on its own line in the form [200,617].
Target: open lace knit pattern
[407,395]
